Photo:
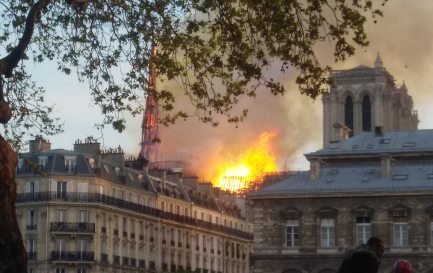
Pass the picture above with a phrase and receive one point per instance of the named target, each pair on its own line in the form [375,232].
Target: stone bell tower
[363,98]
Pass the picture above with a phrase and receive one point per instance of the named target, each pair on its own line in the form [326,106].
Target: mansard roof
[55,166]
[411,173]
[353,181]
[368,143]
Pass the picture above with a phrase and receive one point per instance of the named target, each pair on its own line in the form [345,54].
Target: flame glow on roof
[249,167]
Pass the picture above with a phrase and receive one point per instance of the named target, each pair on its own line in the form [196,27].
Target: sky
[403,38]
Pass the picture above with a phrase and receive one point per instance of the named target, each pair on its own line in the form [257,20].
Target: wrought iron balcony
[152,266]
[124,204]
[104,258]
[32,227]
[72,256]
[125,261]
[116,260]
[72,227]
[31,256]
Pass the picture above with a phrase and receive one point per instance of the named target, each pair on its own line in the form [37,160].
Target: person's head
[378,245]
[402,266]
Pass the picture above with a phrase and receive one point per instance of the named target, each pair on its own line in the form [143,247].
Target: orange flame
[249,167]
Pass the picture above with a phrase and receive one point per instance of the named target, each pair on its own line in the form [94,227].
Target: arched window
[366,114]
[348,114]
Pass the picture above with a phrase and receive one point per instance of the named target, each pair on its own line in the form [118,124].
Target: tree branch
[8,63]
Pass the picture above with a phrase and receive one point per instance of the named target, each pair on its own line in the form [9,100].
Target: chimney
[89,146]
[314,169]
[191,182]
[39,144]
[216,193]
[115,156]
[378,131]
[385,163]
[341,132]
[205,188]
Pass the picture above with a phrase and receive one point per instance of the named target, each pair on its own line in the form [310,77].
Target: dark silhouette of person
[365,258]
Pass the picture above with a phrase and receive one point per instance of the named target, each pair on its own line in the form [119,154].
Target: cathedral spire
[378,62]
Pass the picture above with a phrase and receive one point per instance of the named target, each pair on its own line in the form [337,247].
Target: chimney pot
[378,131]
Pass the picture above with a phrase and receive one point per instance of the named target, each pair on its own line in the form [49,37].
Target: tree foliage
[218,50]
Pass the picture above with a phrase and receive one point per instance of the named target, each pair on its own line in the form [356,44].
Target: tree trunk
[12,252]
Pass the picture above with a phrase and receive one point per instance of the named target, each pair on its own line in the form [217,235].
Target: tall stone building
[372,184]
[363,98]
[374,177]
[90,211]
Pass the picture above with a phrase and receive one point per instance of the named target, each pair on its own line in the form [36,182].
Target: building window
[400,234]
[82,270]
[42,160]
[363,229]
[31,246]
[70,164]
[61,215]
[61,246]
[31,188]
[62,189]
[60,270]
[83,216]
[348,114]
[327,232]
[366,114]
[32,219]
[292,233]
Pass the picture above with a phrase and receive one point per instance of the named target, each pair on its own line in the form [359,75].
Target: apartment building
[89,210]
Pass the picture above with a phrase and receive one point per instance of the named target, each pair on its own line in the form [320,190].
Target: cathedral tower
[363,98]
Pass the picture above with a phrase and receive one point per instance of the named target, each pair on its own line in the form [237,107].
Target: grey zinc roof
[398,142]
[354,180]
[55,163]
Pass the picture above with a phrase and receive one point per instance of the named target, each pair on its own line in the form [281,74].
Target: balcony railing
[72,256]
[31,256]
[116,260]
[152,266]
[120,203]
[104,258]
[125,261]
[32,227]
[72,227]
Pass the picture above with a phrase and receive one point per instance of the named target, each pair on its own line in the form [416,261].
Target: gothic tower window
[366,114]
[348,114]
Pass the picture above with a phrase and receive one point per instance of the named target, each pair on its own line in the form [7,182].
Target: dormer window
[20,164]
[70,164]
[42,161]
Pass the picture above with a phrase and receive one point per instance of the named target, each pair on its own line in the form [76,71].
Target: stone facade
[373,184]
[363,98]
[88,211]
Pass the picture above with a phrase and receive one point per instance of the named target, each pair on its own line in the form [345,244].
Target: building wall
[115,236]
[271,253]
